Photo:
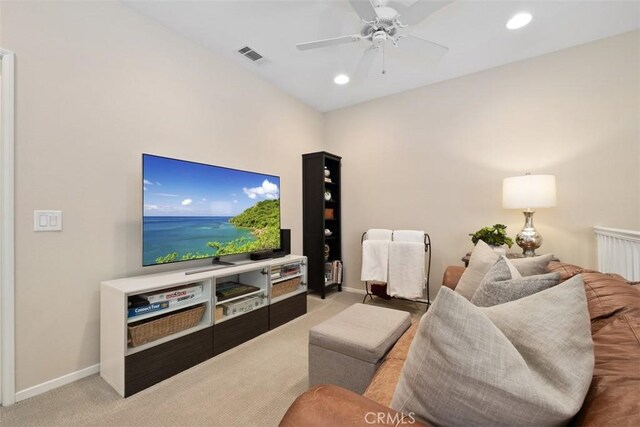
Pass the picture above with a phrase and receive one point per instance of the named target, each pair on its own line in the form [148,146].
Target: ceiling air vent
[252,55]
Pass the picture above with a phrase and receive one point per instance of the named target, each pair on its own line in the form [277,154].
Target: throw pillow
[515,273]
[482,259]
[532,265]
[499,286]
[527,362]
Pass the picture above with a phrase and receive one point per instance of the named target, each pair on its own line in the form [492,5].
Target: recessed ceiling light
[341,79]
[519,20]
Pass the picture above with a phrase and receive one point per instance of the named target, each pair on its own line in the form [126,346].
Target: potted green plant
[495,236]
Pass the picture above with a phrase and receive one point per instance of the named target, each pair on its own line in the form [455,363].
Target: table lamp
[528,192]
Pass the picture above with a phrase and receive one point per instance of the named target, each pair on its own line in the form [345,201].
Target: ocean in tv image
[193,210]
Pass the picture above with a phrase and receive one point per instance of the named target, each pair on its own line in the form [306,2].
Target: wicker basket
[285,287]
[156,328]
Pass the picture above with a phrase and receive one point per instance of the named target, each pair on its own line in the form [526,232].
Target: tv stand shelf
[170,309]
[224,324]
[224,301]
[283,279]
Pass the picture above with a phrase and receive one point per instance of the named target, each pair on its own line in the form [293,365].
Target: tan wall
[434,158]
[98,85]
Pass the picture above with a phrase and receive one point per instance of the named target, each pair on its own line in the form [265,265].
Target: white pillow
[527,362]
[481,260]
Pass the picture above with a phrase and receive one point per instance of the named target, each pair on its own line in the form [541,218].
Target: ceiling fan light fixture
[341,79]
[519,20]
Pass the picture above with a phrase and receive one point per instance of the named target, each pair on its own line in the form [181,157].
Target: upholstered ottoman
[347,349]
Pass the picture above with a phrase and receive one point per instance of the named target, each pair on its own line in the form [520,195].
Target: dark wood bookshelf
[315,220]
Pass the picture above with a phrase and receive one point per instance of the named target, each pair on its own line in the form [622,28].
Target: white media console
[278,294]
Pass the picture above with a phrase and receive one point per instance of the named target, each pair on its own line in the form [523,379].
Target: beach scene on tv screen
[194,211]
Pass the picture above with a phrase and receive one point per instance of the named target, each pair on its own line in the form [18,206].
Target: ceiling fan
[384,23]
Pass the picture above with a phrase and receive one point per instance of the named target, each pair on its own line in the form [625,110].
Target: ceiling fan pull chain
[384,54]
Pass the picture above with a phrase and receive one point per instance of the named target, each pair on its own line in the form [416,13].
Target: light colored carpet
[250,385]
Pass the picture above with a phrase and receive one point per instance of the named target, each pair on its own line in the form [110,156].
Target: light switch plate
[47,220]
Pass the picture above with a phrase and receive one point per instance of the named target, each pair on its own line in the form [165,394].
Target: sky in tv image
[180,188]
[193,211]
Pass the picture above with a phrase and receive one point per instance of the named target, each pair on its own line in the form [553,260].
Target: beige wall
[98,85]
[434,158]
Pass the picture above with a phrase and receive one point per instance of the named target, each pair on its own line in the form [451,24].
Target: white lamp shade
[529,191]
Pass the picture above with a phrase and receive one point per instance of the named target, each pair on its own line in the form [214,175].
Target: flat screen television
[194,210]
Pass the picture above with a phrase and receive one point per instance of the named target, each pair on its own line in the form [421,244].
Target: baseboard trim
[363,292]
[56,382]
[354,290]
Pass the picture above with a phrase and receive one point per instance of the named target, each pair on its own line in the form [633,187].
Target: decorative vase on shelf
[327,195]
[327,174]
[326,252]
[327,232]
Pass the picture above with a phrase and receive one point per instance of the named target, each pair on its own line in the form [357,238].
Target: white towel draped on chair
[375,256]
[406,269]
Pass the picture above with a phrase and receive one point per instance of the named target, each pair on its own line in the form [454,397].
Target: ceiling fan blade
[365,63]
[364,9]
[421,47]
[329,42]
[418,11]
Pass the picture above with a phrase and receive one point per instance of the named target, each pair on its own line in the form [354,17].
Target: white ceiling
[474,32]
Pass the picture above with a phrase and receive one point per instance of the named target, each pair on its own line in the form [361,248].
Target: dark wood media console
[287,310]
[158,363]
[240,329]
